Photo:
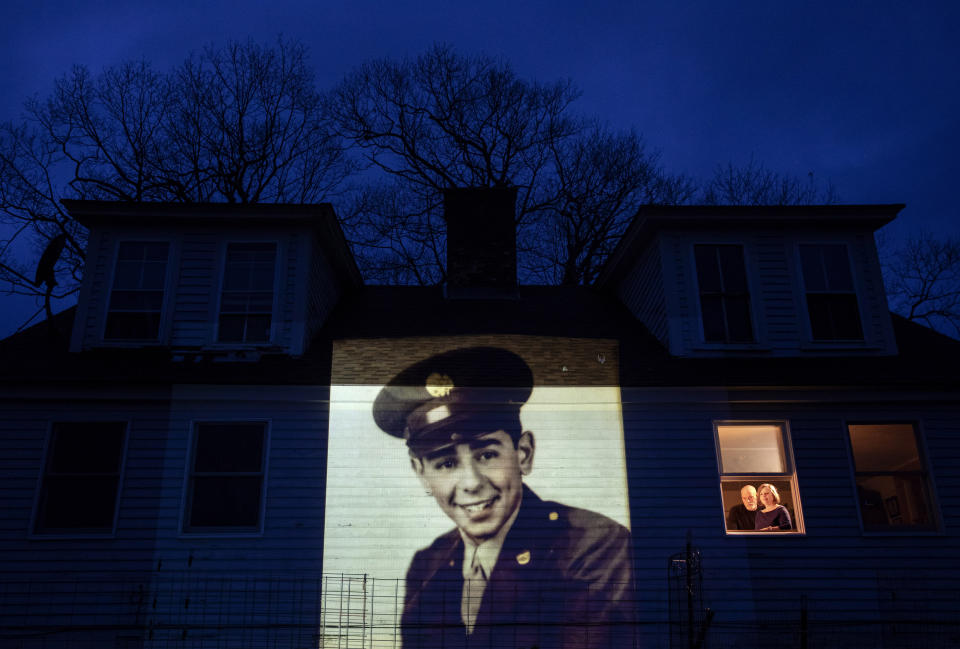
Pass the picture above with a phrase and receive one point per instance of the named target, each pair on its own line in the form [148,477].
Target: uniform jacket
[563,579]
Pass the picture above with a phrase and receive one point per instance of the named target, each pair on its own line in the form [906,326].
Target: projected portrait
[495,562]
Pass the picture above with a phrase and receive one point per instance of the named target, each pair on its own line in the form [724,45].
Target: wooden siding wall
[72,582]
[855,585]
[642,292]
[194,283]
[776,292]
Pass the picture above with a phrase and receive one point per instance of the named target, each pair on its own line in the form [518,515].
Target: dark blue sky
[865,94]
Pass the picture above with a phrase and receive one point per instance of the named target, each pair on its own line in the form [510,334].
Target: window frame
[275,298]
[936,526]
[855,291]
[186,500]
[168,277]
[78,533]
[789,475]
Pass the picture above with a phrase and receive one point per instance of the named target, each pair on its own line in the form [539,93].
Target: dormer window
[831,297]
[724,296]
[246,302]
[136,299]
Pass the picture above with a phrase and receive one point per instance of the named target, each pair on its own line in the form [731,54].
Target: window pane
[884,447]
[738,319]
[892,501]
[229,447]
[225,502]
[708,272]
[131,250]
[127,274]
[733,271]
[738,499]
[258,328]
[751,448]
[845,316]
[86,502]
[94,447]
[821,316]
[837,267]
[811,264]
[136,300]
[711,307]
[231,328]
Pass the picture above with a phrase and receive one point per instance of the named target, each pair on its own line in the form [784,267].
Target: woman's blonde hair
[773,490]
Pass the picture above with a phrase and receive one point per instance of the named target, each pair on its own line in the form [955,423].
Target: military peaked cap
[454,397]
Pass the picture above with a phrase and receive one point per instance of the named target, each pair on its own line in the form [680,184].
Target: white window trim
[279,263]
[799,528]
[47,447]
[185,493]
[921,440]
[166,305]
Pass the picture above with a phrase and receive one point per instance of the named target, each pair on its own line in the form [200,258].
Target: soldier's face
[479,483]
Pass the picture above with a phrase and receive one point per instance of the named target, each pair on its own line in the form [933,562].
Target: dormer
[798,280]
[213,279]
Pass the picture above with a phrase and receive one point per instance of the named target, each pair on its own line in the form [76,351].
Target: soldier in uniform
[517,571]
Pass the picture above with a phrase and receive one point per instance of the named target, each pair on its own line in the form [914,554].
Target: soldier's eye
[448,463]
[488,455]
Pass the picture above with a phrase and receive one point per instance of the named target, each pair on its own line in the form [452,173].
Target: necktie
[474,583]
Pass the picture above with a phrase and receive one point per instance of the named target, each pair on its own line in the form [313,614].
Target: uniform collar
[488,551]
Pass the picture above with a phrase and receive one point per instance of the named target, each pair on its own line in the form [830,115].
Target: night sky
[863,94]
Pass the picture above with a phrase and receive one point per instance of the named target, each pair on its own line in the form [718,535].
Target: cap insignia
[554,516]
[439,385]
[523,558]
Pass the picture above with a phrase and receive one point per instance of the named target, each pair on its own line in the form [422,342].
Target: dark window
[753,457]
[136,301]
[246,303]
[225,488]
[831,298]
[81,479]
[892,482]
[724,297]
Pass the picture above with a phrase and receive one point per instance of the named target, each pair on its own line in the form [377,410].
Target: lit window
[757,481]
[724,298]
[225,487]
[246,303]
[81,478]
[136,301]
[831,298]
[892,483]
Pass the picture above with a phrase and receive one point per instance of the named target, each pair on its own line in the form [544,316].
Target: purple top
[778,516]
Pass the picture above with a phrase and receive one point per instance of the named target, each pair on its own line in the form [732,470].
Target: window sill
[731,347]
[224,534]
[845,345]
[70,536]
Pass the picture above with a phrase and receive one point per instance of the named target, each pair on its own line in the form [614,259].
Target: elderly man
[742,517]
[517,571]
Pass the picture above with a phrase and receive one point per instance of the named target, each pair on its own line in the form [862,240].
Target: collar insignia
[523,558]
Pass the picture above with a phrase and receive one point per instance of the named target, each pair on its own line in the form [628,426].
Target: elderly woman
[774,516]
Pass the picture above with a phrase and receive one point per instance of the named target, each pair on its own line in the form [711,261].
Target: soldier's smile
[478,483]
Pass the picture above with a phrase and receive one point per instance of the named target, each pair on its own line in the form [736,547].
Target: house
[189,457]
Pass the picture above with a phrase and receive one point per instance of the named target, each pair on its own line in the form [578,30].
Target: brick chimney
[481,242]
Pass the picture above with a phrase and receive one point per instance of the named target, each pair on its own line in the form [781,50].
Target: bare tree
[599,180]
[243,123]
[755,184]
[923,282]
[443,120]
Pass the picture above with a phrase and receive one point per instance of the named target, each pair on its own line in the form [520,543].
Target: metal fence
[299,611]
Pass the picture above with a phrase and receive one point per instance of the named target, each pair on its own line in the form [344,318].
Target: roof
[650,219]
[39,354]
[320,217]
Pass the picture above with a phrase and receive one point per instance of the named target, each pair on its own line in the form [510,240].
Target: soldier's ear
[525,449]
